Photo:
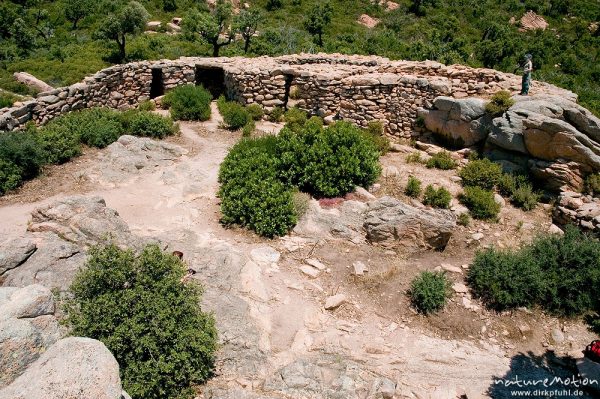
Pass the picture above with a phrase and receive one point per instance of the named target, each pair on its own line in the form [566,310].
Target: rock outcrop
[55,245]
[556,139]
[31,81]
[391,222]
[74,368]
[28,327]
[579,210]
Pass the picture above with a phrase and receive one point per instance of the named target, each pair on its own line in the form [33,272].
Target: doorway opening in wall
[212,79]
[288,85]
[157,88]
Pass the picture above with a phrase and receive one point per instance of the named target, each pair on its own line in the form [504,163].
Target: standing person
[527,68]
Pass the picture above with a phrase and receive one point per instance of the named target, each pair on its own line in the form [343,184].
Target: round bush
[481,173]
[499,103]
[295,119]
[235,116]
[438,198]
[59,143]
[96,127]
[251,193]
[189,103]
[139,308]
[328,162]
[144,123]
[524,197]
[255,111]
[413,187]
[10,176]
[23,150]
[480,202]
[429,292]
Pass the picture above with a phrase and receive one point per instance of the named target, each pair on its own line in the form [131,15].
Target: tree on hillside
[246,23]
[213,27]
[130,20]
[418,6]
[75,10]
[319,18]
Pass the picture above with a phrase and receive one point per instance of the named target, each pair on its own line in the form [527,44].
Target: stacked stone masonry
[355,88]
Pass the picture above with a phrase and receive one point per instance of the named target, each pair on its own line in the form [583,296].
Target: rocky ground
[321,313]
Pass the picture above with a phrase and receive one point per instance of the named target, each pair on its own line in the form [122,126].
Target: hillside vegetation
[62,41]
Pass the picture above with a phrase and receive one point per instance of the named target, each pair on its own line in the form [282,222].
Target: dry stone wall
[354,88]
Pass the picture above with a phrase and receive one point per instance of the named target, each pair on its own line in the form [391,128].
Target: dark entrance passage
[212,79]
[157,87]
[288,86]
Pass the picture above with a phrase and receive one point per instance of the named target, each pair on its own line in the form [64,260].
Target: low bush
[464,219]
[524,197]
[276,114]
[508,183]
[442,160]
[438,198]
[255,111]
[23,150]
[327,162]
[10,176]
[480,202]
[592,184]
[152,323]
[59,143]
[148,124]
[481,173]
[499,103]
[413,187]
[429,292]
[248,128]
[146,106]
[7,99]
[301,203]
[188,103]
[414,157]
[375,132]
[251,193]
[295,119]
[559,273]
[96,127]
[235,116]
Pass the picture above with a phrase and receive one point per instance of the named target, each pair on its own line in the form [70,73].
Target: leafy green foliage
[524,197]
[301,203]
[146,106]
[592,184]
[151,321]
[328,162]
[256,111]
[96,127]
[10,176]
[189,103]
[481,173]
[274,5]
[75,10]
[21,149]
[480,202]
[248,128]
[441,160]
[210,26]
[251,193]
[246,24]
[318,19]
[295,119]
[276,114]
[7,99]
[375,133]
[58,142]
[414,157]
[144,123]
[559,273]
[430,291]
[413,187]
[130,20]
[464,219]
[437,197]
[234,114]
[499,103]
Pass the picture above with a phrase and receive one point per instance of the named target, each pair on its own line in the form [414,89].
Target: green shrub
[274,4]
[301,203]
[430,291]
[10,176]
[188,103]
[524,197]
[251,193]
[7,99]
[295,119]
[328,162]
[148,124]
[559,273]
[464,219]
[480,202]
[481,173]
[414,157]
[146,105]
[413,187]
[58,142]
[499,103]
[235,116]
[96,127]
[442,160]
[438,198]
[276,114]
[255,111]
[151,322]
[592,184]
[22,149]
[248,128]
[375,132]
